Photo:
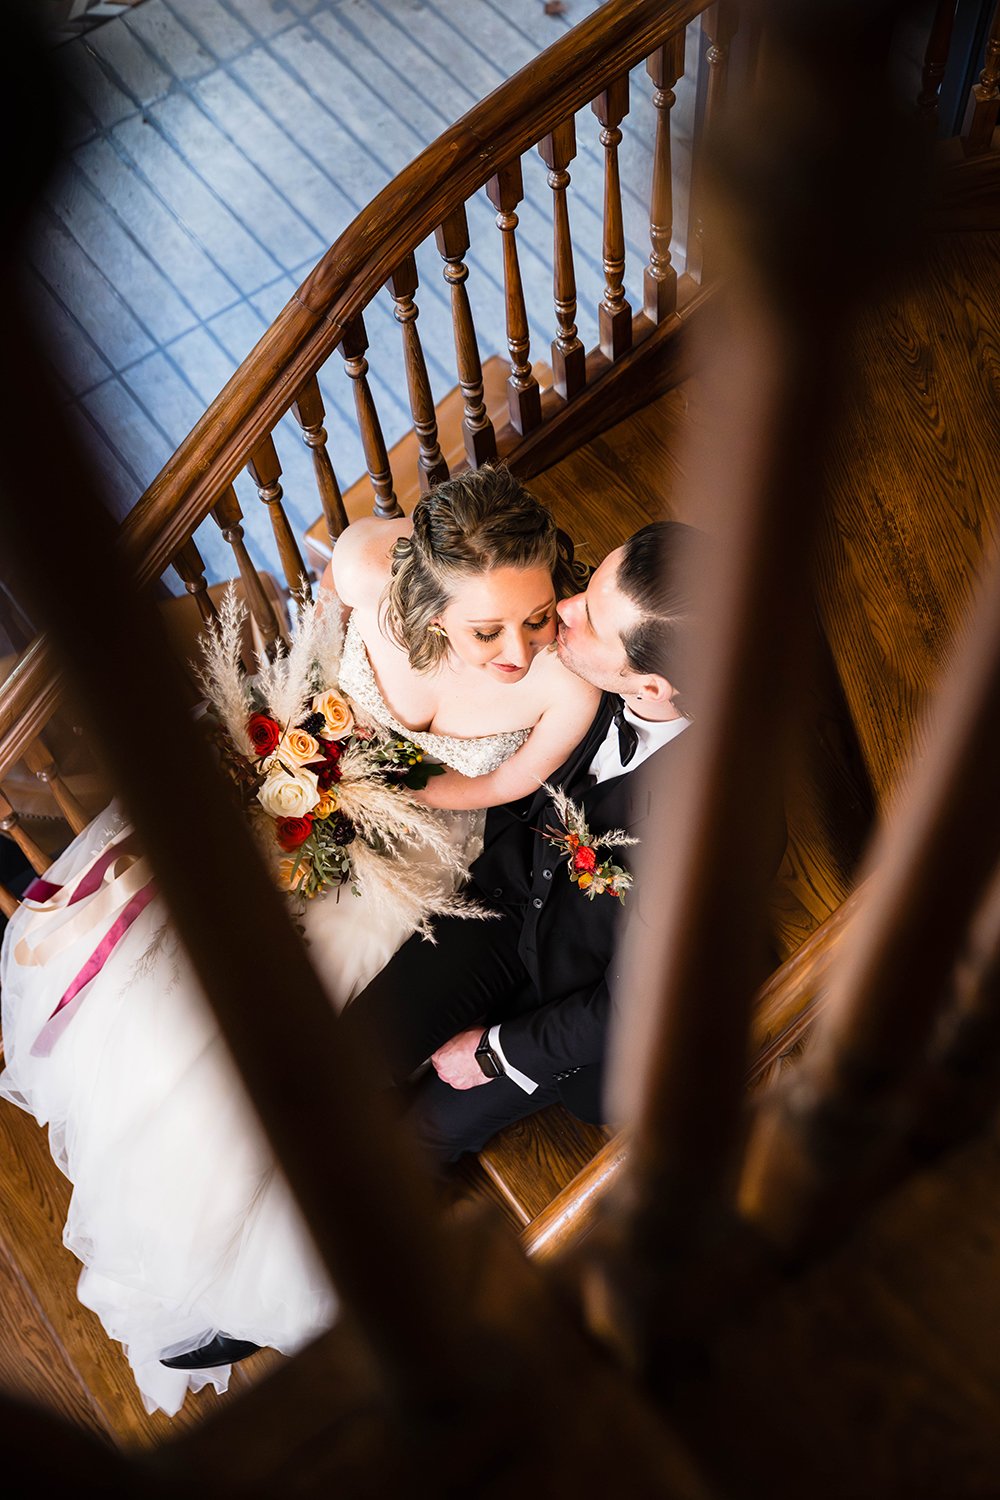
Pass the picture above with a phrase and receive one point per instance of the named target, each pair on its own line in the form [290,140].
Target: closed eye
[481,636]
[539,624]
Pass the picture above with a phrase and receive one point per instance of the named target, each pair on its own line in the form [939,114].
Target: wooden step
[54,1349]
[404,456]
[533,1160]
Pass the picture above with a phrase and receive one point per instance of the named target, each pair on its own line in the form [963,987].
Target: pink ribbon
[43,891]
[73,996]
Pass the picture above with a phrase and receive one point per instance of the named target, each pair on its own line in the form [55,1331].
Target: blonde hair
[482,520]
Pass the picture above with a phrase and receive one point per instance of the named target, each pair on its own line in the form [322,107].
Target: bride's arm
[561,727]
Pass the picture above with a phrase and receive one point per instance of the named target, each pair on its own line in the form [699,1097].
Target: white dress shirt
[607,762]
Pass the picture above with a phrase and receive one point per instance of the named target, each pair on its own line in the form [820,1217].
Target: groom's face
[591,626]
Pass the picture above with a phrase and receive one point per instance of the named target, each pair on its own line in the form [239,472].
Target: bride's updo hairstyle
[482,520]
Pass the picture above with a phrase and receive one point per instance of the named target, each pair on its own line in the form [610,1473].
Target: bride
[185,1227]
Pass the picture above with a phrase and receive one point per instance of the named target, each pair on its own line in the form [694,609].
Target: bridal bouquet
[327,795]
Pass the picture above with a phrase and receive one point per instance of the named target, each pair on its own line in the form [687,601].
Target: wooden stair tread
[915,495]
[534,1159]
[58,1347]
[404,455]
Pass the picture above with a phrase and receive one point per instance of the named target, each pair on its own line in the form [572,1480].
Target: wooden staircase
[915,508]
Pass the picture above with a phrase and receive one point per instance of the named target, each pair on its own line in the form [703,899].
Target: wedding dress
[182,1221]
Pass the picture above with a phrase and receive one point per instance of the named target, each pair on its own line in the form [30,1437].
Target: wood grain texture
[532,1161]
[33,1364]
[915,495]
[877,1373]
[92,1379]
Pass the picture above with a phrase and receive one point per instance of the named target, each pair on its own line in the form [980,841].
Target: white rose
[289,794]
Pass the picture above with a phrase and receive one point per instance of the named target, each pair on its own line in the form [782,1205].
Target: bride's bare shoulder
[557,686]
[359,568]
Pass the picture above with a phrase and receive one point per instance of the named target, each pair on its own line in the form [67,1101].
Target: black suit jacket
[567,941]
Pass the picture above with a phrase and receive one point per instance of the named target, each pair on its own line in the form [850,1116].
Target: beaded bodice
[476,755]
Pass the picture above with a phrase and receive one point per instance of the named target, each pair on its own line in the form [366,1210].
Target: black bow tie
[628,738]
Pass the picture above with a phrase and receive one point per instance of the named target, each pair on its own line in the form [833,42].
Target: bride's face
[499,621]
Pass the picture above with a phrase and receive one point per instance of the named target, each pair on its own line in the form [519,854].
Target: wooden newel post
[308,410]
[190,569]
[432,468]
[614,313]
[352,346]
[10,824]
[453,243]
[935,61]
[228,516]
[659,280]
[265,471]
[524,401]
[42,764]
[569,358]
[985,97]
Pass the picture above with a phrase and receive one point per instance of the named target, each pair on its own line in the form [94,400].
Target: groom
[514,1013]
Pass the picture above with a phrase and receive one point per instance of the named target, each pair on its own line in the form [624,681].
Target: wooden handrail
[510,121]
[784,1009]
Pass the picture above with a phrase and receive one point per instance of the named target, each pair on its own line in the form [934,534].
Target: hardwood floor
[915,495]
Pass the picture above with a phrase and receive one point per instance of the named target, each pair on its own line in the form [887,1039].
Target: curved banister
[514,118]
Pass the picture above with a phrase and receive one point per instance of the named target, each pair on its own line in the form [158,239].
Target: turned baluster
[614,313]
[569,358]
[309,412]
[228,515]
[10,824]
[265,470]
[8,905]
[352,346]
[189,566]
[477,429]
[935,61]
[985,97]
[42,763]
[659,279]
[719,25]
[432,468]
[524,400]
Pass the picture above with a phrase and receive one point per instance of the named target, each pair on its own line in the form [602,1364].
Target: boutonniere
[576,844]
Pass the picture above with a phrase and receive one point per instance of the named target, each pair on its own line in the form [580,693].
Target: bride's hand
[455,1062]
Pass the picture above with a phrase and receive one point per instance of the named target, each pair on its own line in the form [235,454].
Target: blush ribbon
[119,886]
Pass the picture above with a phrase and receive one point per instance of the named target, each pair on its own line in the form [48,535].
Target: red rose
[291,832]
[329,773]
[585,859]
[264,733]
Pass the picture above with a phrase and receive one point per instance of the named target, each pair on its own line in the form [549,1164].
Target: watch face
[488,1062]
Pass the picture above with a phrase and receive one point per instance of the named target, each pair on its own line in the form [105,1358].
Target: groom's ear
[655,689]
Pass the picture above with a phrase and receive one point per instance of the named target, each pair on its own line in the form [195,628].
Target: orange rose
[327,804]
[299,747]
[339,719]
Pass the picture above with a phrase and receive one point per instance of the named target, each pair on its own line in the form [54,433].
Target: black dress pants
[427,993]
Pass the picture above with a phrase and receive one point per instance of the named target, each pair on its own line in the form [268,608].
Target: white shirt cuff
[521,1079]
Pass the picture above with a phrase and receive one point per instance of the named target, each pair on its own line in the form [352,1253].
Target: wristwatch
[487,1059]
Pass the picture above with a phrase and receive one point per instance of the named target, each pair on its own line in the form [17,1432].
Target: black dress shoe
[221,1351]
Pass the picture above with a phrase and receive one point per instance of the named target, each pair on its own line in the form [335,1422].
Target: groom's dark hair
[657,573]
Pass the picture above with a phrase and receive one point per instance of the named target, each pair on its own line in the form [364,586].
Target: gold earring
[438,630]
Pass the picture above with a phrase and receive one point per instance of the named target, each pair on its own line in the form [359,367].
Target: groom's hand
[455,1062]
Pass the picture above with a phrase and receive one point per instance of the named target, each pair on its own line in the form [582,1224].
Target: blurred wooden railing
[720,1195]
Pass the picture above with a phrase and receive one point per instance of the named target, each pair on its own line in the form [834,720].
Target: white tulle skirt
[183,1223]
